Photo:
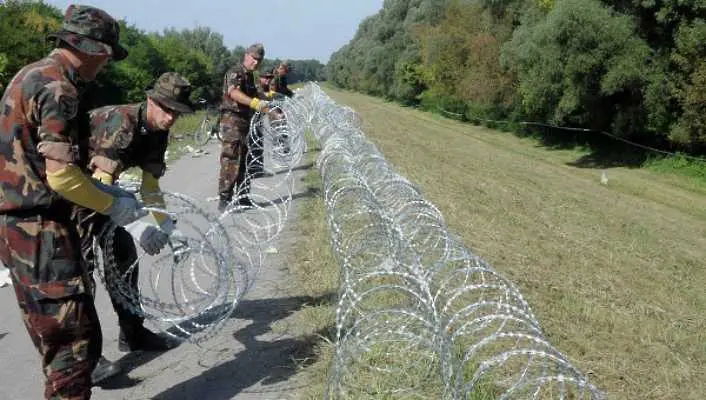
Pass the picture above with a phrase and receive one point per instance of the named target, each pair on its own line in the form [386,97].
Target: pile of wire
[420,315]
[191,292]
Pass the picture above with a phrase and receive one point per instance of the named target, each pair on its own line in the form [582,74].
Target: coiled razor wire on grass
[420,315]
[190,294]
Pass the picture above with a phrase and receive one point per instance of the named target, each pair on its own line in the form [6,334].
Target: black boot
[134,337]
[104,370]
[245,202]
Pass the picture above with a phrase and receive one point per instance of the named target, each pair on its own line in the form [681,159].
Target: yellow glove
[152,195]
[103,176]
[76,187]
[258,105]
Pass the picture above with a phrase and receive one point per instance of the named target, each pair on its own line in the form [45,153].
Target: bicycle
[209,127]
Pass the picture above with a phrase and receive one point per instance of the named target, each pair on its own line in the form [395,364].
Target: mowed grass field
[616,273]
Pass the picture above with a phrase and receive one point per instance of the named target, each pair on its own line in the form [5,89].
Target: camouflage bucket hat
[91,31]
[172,91]
[257,50]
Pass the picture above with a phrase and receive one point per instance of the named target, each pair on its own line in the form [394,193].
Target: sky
[289,29]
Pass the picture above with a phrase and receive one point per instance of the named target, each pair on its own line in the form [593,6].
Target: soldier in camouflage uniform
[125,136]
[239,104]
[279,81]
[265,80]
[42,152]
[135,135]
[255,148]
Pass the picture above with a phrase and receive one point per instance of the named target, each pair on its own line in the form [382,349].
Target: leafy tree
[23,29]
[581,65]
[382,55]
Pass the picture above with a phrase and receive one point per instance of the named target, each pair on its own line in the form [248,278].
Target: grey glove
[150,237]
[179,244]
[113,190]
[125,210]
[177,241]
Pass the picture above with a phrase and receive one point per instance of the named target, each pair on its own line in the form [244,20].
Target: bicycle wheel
[203,133]
[216,130]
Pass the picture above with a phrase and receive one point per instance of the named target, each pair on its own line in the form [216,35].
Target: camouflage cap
[257,50]
[266,75]
[91,31]
[172,91]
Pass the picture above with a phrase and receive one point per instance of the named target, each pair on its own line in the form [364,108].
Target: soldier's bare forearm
[240,97]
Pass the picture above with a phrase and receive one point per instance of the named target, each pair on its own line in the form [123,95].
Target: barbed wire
[190,294]
[574,129]
[419,314]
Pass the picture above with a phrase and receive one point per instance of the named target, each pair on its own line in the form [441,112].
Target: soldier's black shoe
[141,338]
[104,370]
[245,202]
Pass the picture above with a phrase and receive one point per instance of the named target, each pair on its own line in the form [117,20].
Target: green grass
[681,165]
[615,273]
[182,134]
[316,274]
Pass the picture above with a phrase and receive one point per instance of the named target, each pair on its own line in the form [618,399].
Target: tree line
[631,67]
[199,54]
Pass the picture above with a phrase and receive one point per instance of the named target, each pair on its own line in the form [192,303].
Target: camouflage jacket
[279,85]
[262,90]
[38,120]
[120,140]
[238,78]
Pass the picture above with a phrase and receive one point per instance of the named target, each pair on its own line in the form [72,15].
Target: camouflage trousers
[234,149]
[41,249]
[92,225]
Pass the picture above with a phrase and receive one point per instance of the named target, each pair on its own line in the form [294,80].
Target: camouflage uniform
[264,87]
[120,140]
[279,82]
[255,155]
[38,120]
[234,125]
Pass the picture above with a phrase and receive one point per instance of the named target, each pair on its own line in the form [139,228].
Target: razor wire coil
[416,306]
[418,312]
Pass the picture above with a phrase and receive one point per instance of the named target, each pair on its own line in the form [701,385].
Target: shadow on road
[262,361]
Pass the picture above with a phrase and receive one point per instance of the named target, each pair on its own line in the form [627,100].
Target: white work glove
[125,210]
[113,190]
[150,237]
[177,241]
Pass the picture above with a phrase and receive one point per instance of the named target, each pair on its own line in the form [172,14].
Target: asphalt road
[245,360]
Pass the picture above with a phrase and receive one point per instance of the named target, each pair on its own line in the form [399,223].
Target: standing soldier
[255,153]
[125,136]
[279,81]
[240,102]
[41,160]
